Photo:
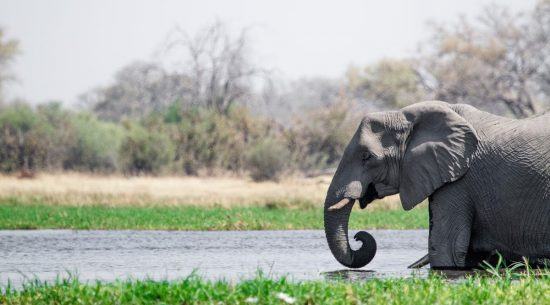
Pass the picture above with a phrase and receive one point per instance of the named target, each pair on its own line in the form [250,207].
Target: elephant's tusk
[342,203]
[421,262]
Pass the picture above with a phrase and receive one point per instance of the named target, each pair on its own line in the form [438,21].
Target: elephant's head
[413,152]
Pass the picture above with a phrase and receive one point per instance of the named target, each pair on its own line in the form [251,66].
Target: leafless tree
[218,65]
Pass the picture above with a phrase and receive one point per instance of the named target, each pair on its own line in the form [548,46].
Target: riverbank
[31,213]
[508,289]
[80,201]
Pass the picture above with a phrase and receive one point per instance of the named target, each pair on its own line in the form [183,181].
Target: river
[230,255]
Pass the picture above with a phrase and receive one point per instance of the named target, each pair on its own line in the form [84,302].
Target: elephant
[486,178]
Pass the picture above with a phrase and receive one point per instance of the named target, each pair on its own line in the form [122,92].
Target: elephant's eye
[366,156]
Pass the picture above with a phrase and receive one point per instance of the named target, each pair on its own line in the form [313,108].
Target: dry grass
[81,189]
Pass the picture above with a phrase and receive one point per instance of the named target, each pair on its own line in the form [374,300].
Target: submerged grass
[520,289]
[18,214]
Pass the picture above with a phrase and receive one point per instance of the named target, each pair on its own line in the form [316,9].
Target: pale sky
[70,46]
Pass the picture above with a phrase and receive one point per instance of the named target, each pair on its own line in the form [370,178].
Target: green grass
[15,214]
[517,289]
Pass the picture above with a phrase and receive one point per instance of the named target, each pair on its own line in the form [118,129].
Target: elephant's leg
[451,216]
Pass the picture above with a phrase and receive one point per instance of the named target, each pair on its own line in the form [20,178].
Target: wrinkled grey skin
[487,179]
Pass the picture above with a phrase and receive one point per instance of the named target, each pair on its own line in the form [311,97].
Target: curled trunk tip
[336,230]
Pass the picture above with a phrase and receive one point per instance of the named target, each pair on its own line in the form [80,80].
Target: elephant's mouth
[370,195]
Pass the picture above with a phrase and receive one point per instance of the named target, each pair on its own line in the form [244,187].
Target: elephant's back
[511,184]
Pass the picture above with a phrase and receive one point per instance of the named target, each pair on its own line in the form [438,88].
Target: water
[231,255]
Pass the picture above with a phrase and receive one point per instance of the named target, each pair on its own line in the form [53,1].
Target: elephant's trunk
[336,230]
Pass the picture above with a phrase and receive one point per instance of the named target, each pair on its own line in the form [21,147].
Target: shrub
[208,140]
[24,138]
[145,151]
[94,145]
[188,141]
[267,159]
[318,140]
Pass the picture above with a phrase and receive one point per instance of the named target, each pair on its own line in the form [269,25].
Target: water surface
[231,255]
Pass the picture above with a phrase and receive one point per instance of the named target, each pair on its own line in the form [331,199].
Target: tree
[501,60]
[284,100]
[9,48]
[218,65]
[145,151]
[318,138]
[23,138]
[139,89]
[389,83]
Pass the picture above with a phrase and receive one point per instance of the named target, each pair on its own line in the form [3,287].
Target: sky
[71,46]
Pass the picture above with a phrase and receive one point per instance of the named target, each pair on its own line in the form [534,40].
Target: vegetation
[498,62]
[145,151]
[80,201]
[18,214]
[9,48]
[191,142]
[113,190]
[513,288]
[267,159]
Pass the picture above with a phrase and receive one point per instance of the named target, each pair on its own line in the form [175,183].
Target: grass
[82,189]
[509,289]
[16,213]
[78,201]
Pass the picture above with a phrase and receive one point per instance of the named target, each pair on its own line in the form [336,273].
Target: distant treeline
[194,141]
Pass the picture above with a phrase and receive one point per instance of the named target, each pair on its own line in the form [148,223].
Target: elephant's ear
[438,150]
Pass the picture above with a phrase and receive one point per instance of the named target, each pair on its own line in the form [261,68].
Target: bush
[94,146]
[318,140]
[267,159]
[23,138]
[145,151]
[188,141]
[208,140]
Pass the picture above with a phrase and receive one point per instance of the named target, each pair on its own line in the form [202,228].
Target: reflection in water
[349,275]
[353,275]
[110,255]
[456,274]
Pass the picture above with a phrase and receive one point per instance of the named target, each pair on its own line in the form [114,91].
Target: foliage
[208,140]
[436,289]
[318,139]
[95,145]
[23,138]
[50,137]
[267,159]
[145,150]
[500,61]
[191,141]
[390,83]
